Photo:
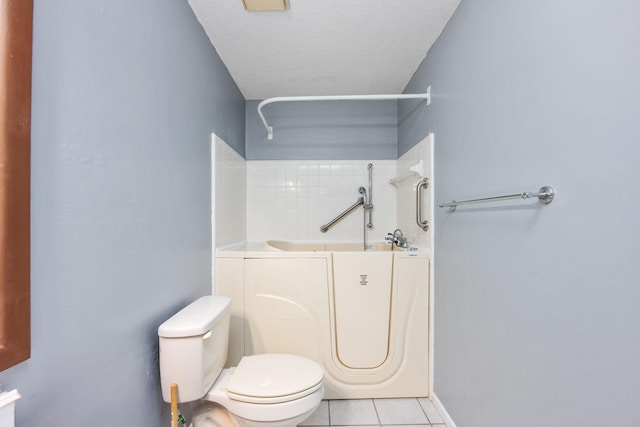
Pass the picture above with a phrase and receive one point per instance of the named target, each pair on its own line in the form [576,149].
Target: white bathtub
[332,247]
[364,316]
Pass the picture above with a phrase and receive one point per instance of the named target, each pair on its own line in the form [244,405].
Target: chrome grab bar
[350,209]
[368,202]
[422,223]
[545,195]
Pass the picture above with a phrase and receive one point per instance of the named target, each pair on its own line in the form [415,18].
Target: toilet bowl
[277,390]
[282,410]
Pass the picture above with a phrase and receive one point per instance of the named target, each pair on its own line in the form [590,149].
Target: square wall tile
[318,190]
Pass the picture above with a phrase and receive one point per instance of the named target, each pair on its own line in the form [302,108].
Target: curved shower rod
[426,96]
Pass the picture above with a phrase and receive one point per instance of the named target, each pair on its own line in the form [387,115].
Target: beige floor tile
[430,410]
[400,411]
[320,417]
[352,412]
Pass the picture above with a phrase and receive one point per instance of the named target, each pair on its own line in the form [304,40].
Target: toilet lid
[274,378]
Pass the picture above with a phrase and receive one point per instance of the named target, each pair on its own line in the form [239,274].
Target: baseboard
[443,412]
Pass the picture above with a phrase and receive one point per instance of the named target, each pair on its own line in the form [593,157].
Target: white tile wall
[291,199]
[230,194]
[406,196]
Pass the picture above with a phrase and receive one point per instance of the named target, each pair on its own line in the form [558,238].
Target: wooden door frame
[16,23]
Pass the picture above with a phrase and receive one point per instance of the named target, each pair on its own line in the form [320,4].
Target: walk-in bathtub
[363,315]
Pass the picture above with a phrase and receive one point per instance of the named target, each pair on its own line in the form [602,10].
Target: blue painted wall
[536,315]
[125,95]
[343,130]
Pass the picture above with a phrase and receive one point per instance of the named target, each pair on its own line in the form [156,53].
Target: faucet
[397,238]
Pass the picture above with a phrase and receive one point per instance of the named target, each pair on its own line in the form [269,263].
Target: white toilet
[276,390]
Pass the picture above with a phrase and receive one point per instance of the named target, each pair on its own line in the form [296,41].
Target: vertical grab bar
[424,224]
[369,205]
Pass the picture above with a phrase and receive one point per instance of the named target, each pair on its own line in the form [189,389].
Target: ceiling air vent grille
[259,5]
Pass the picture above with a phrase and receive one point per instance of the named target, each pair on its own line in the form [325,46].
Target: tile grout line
[375,407]
[428,424]
[424,412]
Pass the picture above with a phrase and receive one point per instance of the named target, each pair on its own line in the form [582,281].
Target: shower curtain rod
[426,96]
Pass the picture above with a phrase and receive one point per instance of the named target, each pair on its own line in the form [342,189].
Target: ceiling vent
[260,5]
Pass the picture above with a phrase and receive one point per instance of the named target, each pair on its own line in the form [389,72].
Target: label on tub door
[362,298]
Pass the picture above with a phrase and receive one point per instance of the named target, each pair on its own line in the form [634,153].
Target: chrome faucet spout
[396,238]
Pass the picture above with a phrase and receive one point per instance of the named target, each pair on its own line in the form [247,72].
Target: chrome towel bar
[544,195]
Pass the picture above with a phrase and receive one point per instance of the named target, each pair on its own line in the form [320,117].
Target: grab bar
[368,202]
[422,223]
[351,208]
[545,195]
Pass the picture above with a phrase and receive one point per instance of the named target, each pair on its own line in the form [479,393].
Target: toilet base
[211,414]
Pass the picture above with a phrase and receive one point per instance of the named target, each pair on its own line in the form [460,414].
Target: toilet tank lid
[195,319]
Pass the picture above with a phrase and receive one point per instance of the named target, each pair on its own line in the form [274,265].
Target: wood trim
[16,17]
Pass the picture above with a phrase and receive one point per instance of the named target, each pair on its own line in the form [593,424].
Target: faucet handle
[396,238]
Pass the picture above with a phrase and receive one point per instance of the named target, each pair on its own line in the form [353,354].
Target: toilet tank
[193,347]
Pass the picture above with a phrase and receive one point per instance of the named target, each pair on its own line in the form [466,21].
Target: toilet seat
[274,378]
[270,414]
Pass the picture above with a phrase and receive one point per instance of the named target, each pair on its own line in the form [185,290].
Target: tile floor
[409,412]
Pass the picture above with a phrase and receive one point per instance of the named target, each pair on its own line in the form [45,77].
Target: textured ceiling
[323,47]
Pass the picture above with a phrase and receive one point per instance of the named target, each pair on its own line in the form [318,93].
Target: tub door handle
[422,223]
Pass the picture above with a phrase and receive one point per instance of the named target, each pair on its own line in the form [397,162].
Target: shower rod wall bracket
[545,195]
[426,96]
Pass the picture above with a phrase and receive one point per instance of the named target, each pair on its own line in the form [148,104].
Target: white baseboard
[443,412]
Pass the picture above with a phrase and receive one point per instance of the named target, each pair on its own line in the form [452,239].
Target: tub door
[362,285]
